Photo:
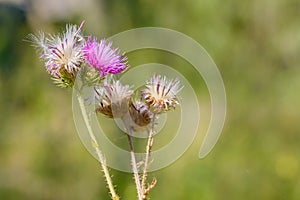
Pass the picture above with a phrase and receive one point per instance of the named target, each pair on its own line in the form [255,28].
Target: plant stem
[133,161]
[134,167]
[148,151]
[101,158]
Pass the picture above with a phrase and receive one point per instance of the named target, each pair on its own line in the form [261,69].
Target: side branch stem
[147,157]
[134,165]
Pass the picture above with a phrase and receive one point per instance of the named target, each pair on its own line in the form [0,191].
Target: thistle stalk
[133,162]
[100,156]
[147,157]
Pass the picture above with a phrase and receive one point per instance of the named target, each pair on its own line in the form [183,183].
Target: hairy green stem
[101,158]
[148,151]
[133,161]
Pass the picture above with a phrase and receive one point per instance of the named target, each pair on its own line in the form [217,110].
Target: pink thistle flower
[63,53]
[103,57]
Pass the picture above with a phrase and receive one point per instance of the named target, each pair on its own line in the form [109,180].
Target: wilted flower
[103,57]
[140,113]
[161,94]
[63,54]
[112,98]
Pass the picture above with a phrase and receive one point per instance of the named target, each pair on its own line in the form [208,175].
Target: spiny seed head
[113,98]
[161,94]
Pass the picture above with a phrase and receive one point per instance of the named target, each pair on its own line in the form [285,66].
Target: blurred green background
[256,45]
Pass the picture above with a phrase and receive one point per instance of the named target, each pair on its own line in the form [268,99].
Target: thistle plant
[71,54]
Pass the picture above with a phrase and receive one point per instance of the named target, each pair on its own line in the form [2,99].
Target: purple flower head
[103,57]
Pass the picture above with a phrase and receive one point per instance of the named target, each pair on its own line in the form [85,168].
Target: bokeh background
[256,45]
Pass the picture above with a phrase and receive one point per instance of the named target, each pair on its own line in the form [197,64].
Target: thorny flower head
[63,54]
[112,98]
[103,57]
[161,94]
